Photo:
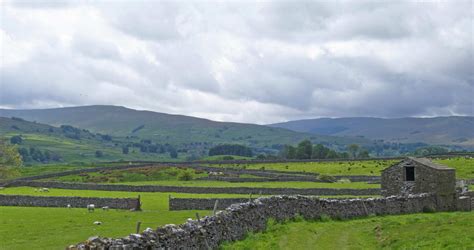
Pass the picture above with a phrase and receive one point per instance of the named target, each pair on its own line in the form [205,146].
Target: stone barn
[421,175]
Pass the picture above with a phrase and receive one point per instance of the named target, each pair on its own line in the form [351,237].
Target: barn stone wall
[427,180]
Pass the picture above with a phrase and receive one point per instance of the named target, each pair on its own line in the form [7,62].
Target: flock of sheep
[90,207]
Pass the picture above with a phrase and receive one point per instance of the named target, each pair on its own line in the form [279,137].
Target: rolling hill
[173,129]
[452,130]
[69,144]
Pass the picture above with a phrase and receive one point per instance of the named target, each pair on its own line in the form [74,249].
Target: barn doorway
[409,173]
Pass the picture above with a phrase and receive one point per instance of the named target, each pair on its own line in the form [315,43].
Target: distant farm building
[421,175]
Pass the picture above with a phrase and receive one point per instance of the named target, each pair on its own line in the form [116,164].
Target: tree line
[231,149]
[306,150]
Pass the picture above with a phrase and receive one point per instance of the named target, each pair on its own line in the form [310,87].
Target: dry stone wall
[352,178]
[204,203]
[239,219]
[64,201]
[199,190]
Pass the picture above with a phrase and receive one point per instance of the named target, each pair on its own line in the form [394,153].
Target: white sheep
[44,190]
[97,223]
[69,206]
[90,208]
[106,208]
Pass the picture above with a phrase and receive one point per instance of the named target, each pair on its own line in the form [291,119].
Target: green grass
[370,167]
[415,231]
[464,167]
[56,228]
[222,157]
[134,175]
[290,184]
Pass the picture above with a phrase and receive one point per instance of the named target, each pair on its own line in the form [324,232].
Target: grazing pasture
[369,167]
[414,231]
[464,166]
[273,184]
[55,228]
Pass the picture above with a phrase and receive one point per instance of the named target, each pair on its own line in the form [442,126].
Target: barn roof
[422,161]
[428,163]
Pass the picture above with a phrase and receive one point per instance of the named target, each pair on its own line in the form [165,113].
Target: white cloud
[241,61]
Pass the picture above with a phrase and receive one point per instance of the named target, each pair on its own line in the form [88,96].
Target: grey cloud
[241,61]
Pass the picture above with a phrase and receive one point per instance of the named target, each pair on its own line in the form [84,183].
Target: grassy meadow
[464,166]
[56,228]
[414,231]
[370,167]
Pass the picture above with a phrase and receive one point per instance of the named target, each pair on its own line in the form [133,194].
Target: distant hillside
[453,130]
[173,129]
[48,144]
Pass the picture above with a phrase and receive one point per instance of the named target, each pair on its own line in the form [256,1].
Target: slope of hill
[453,130]
[166,128]
[48,144]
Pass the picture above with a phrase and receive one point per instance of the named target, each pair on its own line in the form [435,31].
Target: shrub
[429,209]
[324,218]
[16,139]
[99,154]
[327,178]
[185,176]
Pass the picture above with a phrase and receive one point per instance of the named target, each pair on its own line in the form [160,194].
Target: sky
[243,61]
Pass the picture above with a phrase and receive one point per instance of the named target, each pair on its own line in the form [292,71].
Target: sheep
[106,208]
[97,223]
[68,205]
[90,208]
[43,190]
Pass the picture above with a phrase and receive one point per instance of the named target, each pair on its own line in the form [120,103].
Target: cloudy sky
[245,61]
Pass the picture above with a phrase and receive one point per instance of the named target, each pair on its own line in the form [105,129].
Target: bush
[185,176]
[324,218]
[429,209]
[99,154]
[327,178]
[16,139]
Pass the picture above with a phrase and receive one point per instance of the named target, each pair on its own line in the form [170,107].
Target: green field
[415,231]
[370,167]
[464,167]
[172,176]
[153,173]
[288,184]
[55,228]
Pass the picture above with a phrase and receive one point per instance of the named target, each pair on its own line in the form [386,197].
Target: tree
[10,160]
[364,154]
[320,152]
[353,149]
[125,150]
[16,139]
[231,149]
[99,154]
[288,152]
[173,153]
[304,150]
